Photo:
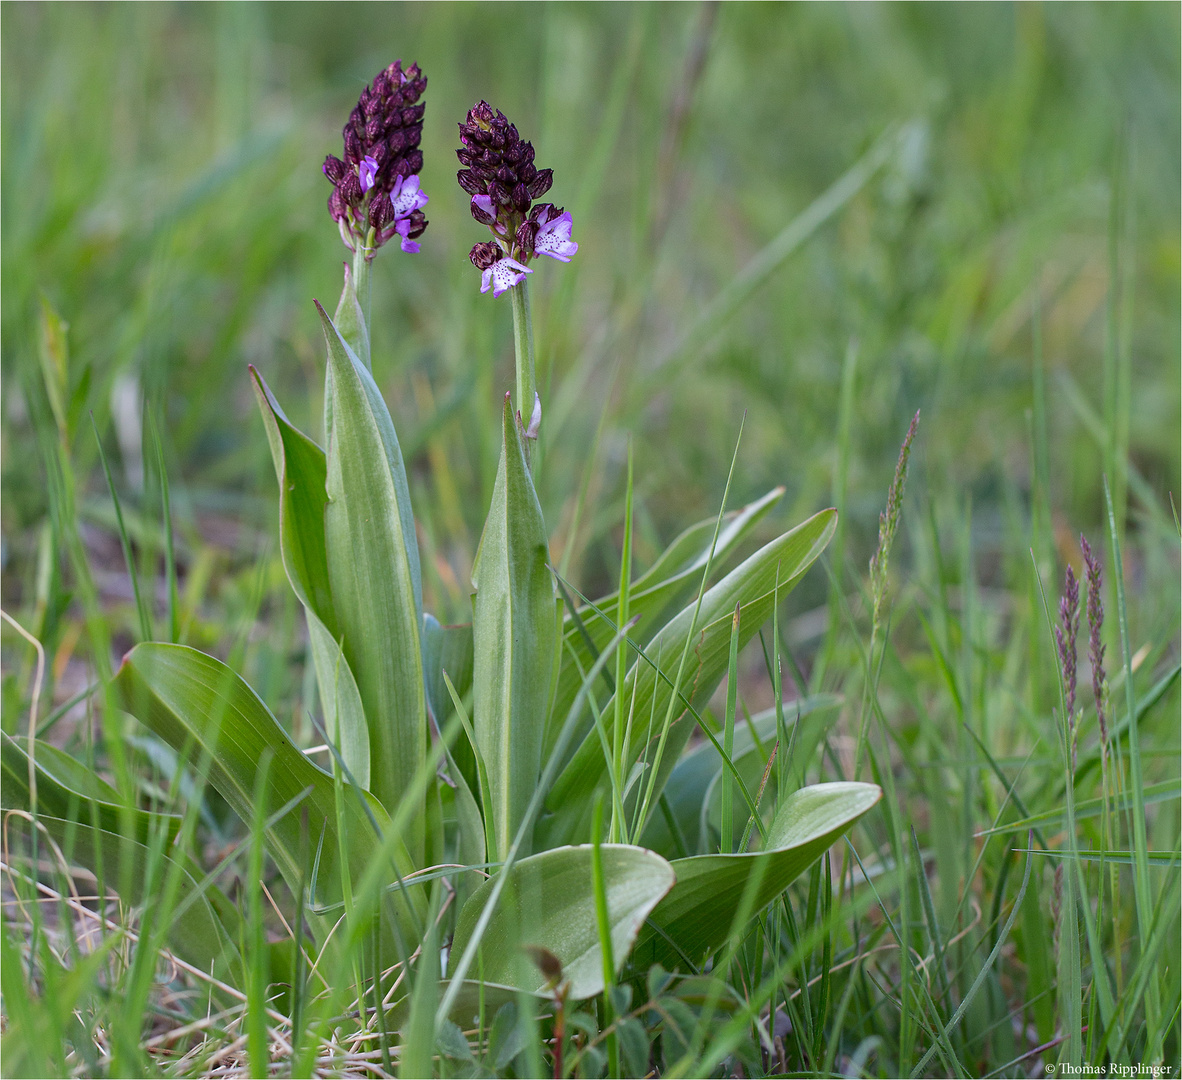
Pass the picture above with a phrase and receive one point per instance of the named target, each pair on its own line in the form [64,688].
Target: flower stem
[361,284]
[523,345]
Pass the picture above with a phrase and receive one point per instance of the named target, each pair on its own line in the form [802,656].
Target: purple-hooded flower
[366,171]
[502,275]
[483,210]
[406,196]
[553,237]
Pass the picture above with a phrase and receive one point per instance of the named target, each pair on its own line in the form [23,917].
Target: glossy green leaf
[752,584]
[449,649]
[693,777]
[445,648]
[373,565]
[302,471]
[549,901]
[341,701]
[671,579]
[199,706]
[695,918]
[66,788]
[514,631]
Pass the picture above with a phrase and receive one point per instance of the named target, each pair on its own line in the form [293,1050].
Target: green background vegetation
[1013,271]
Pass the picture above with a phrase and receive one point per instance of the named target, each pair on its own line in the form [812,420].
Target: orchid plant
[549,762]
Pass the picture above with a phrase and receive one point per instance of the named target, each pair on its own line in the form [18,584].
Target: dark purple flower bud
[381,213]
[498,194]
[524,239]
[418,222]
[520,199]
[471,183]
[350,188]
[480,115]
[333,168]
[485,255]
[541,183]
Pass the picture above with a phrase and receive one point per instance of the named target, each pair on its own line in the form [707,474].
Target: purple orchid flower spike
[503,182]
[376,194]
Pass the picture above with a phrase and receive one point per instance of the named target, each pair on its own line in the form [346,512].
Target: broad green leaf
[513,633]
[549,901]
[671,579]
[695,918]
[373,566]
[202,708]
[302,473]
[66,788]
[341,701]
[445,648]
[449,649]
[751,584]
[695,774]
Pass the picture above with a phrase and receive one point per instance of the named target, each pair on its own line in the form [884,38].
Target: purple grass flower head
[500,176]
[1094,574]
[376,194]
[1065,635]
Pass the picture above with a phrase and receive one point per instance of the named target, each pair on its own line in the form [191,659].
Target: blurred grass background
[161,185]
[162,191]
[1013,270]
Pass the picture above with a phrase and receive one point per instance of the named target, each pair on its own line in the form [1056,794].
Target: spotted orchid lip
[503,275]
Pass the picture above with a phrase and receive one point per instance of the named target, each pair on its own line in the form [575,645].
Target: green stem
[523,346]
[361,284]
